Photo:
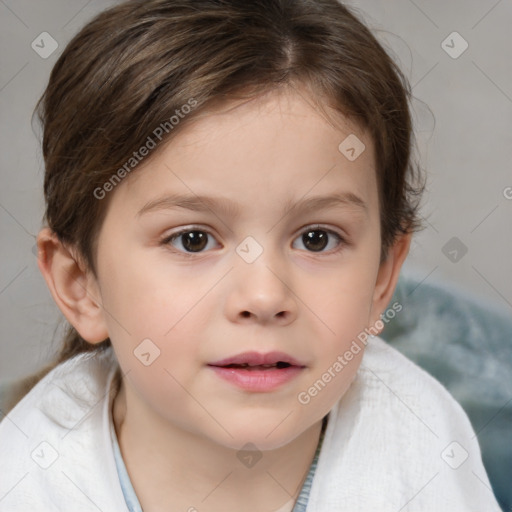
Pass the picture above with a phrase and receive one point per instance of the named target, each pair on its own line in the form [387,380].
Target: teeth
[279,364]
[245,365]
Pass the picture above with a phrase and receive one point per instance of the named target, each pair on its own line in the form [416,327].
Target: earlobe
[387,277]
[74,288]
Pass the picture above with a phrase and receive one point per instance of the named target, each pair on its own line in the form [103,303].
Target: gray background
[463,116]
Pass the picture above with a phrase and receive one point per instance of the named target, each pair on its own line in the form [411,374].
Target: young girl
[230,197]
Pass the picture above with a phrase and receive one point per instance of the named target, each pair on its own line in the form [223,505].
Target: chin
[264,435]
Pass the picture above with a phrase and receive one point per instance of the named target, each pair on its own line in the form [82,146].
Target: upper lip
[257,359]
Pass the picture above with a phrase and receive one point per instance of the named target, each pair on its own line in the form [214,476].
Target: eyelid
[343,239]
[167,239]
[341,234]
[324,227]
[313,226]
[192,227]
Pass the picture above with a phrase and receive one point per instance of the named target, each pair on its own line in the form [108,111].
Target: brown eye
[189,241]
[194,241]
[317,240]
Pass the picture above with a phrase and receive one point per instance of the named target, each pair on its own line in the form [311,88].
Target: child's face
[306,297]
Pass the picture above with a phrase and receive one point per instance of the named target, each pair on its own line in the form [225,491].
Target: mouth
[279,365]
[248,360]
[255,372]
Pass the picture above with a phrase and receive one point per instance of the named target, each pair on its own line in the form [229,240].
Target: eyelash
[342,242]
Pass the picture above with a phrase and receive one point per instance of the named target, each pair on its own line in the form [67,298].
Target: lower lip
[258,380]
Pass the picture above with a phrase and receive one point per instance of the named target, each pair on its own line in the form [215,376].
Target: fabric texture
[395,441]
[465,342]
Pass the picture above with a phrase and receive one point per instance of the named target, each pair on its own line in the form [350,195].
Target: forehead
[278,145]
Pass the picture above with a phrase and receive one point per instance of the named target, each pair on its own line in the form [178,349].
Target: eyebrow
[232,210]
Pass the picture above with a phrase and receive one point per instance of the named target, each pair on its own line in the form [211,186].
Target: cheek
[345,303]
[149,298]
[163,389]
[160,369]
[154,319]
[344,310]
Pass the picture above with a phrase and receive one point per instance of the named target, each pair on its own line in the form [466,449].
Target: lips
[249,360]
[258,373]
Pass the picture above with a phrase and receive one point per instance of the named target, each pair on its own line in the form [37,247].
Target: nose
[260,292]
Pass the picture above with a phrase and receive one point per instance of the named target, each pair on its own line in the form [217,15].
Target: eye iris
[315,240]
[194,241]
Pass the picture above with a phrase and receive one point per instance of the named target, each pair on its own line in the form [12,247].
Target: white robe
[396,441]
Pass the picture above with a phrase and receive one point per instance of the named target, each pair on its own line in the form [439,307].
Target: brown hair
[136,64]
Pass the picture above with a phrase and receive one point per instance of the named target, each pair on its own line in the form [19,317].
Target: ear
[74,288]
[387,276]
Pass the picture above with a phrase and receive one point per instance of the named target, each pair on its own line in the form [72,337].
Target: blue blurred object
[467,346]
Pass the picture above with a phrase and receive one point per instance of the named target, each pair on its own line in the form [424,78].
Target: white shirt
[396,441]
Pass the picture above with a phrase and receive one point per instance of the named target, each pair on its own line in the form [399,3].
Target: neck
[170,466]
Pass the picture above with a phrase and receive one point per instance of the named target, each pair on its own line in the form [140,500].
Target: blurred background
[457,57]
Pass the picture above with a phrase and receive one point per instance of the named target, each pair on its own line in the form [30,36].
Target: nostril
[245,314]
